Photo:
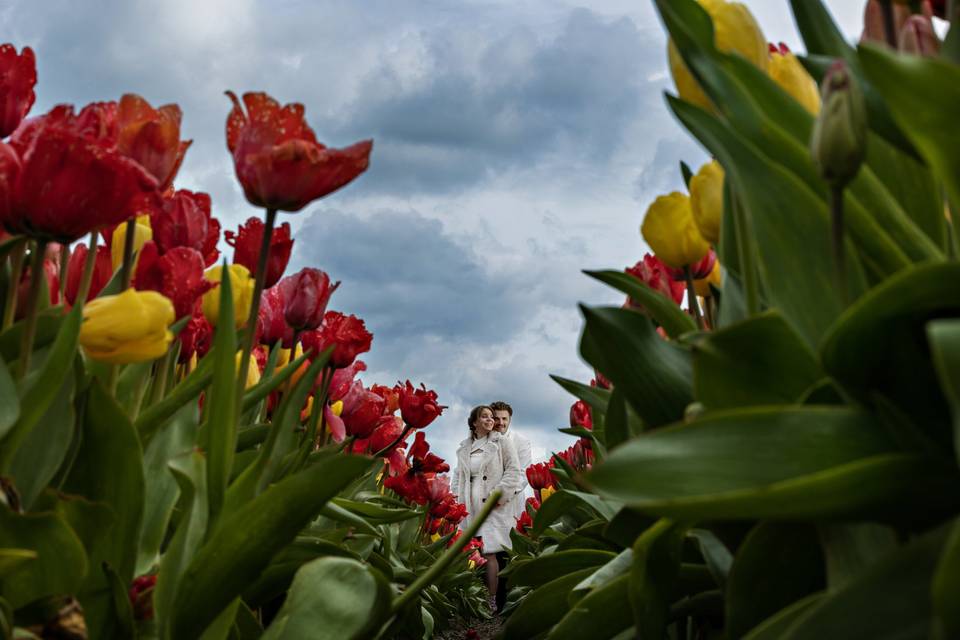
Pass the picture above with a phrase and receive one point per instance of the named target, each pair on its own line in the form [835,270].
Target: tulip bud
[669,229]
[143,233]
[706,200]
[305,297]
[241,286]
[839,139]
[918,37]
[128,327]
[702,286]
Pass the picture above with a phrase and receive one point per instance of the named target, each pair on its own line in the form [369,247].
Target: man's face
[501,420]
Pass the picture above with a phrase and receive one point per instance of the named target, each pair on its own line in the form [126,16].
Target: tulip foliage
[186,448]
[789,467]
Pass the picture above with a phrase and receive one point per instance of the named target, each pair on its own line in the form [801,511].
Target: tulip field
[765,443]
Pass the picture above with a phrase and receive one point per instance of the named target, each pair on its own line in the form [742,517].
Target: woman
[487,462]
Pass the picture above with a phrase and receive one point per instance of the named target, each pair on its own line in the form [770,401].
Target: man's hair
[500,405]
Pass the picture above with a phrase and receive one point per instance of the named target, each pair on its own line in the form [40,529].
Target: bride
[486,462]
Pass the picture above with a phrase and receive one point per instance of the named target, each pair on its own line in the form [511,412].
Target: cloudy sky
[516,143]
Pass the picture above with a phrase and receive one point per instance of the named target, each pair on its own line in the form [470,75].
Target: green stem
[745,254]
[258,281]
[449,556]
[88,266]
[836,238]
[64,259]
[30,327]
[16,269]
[126,269]
[692,297]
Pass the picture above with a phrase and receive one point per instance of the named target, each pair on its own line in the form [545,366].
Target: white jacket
[499,469]
[522,445]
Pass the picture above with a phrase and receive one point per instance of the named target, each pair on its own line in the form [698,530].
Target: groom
[502,416]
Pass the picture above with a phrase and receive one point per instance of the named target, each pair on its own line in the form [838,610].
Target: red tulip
[361,411]
[279,162]
[421,460]
[151,137]
[418,406]
[342,381]
[72,179]
[18,76]
[539,476]
[580,415]
[9,172]
[347,334]
[195,338]
[271,325]
[699,270]
[655,274]
[181,221]
[388,429]
[246,248]
[524,523]
[390,394]
[102,271]
[305,296]
[177,274]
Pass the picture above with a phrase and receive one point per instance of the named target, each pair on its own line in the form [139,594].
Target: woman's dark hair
[475,415]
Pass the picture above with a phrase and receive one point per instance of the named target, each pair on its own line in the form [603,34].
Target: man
[502,416]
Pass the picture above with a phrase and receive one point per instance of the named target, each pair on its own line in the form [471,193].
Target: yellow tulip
[337,408]
[706,200]
[545,493]
[702,286]
[253,370]
[787,71]
[128,327]
[143,234]
[434,537]
[241,286]
[734,30]
[671,233]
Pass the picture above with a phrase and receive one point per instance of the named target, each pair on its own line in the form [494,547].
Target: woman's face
[484,423]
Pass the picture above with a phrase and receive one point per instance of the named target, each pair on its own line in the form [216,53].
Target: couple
[493,457]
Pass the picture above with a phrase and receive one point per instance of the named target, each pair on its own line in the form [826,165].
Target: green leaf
[653,374]
[162,491]
[187,391]
[775,626]
[10,558]
[122,609]
[60,564]
[849,548]
[9,400]
[759,361]
[43,450]
[109,469]
[656,566]
[621,422]
[777,564]
[276,578]
[674,320]
[946,584]
[41,388]
[242,545]
[542,608]
[896,313]
[564,501]
[891,599]
[270,383]
[375,512]
[599,614]
[715,554]
[789,222]
[944,338]
[335,598]
[771,462]
[922,94]
[596,397]
[555,565]
[219,435]
[191,476]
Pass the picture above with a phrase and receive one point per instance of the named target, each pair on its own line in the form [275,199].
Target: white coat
[499,470]
[522,445]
